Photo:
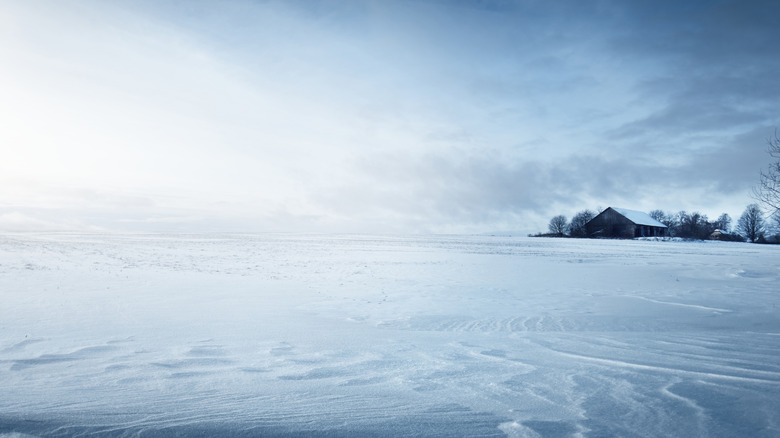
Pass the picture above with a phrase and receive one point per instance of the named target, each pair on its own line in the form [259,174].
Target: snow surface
[293,335]
[639,218]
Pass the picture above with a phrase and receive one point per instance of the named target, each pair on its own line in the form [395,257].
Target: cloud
[380,115]
[715,69]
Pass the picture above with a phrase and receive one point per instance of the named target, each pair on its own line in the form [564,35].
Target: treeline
[696,225]
[752,226]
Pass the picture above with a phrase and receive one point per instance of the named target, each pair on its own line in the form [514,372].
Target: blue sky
[379,116]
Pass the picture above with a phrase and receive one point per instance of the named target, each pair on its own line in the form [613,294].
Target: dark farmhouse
[623,223]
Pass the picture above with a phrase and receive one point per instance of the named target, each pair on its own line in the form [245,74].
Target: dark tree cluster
[560,227]
[577,225]
[695,225]
[751,226]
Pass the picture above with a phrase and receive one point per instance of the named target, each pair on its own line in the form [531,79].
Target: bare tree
[658,215]
[723,223]
[668,219]
[774,228]
[751,223]
[558,225]
[577,225]
[768,190]
[697,225]
[678,221]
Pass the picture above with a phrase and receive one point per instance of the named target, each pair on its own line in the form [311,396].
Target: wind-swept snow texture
[296,335]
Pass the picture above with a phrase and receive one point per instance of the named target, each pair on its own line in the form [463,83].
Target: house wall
[611,224]
[649,231]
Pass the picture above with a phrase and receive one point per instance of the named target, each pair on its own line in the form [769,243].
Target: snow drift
[288,335]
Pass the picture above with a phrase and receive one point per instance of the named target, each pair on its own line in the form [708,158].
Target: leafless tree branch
[768,189]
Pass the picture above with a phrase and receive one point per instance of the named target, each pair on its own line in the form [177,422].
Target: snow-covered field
[293,335]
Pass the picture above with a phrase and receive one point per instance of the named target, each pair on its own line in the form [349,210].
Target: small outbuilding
[719,234]
[625,224]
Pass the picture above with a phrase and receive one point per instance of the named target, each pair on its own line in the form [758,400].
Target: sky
[425,116]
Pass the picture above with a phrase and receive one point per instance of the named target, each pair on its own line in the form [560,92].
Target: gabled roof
[638,217]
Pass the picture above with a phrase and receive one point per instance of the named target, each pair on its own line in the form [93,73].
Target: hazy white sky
[378,116]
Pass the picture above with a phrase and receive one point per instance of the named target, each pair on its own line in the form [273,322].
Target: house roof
[638,217]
